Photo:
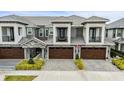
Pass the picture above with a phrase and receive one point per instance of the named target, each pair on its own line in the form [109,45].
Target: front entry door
[35,51]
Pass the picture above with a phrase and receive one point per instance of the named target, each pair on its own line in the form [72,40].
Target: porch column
[42,52]
[0,34]
[28,53]
[119,47]
[87,34]
[25,53]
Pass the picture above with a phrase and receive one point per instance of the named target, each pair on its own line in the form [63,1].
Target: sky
[112,15]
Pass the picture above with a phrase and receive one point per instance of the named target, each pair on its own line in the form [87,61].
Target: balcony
[94,39]
[61,39]
[7,38]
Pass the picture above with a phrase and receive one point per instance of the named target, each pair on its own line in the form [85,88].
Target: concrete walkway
[59,65]
[79,75]
[99,65]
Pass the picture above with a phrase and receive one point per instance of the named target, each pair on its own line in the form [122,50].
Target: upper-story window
[8,34]
[119,32]
[50,31]
[106,34]
[95,34]
[61,34]
[29,31]
[46,32]
[41,32]
[19,31]
[114,33]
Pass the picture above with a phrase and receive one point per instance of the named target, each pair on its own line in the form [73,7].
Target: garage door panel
[60,53]
[93,53]
[11,53]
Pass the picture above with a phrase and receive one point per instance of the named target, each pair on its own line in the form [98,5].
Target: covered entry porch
[34,47]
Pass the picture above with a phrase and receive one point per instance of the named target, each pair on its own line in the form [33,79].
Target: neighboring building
[53,37]
[115,32]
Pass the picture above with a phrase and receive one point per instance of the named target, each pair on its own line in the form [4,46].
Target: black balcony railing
[61,39]
[7,38]
[94,39]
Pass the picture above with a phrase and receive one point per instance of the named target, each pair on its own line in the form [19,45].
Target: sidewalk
[68,75]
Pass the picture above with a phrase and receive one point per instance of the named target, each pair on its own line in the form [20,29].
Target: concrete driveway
[8,64]
[59,65]
[99,65]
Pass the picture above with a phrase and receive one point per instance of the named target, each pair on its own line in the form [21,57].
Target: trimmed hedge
[24,65]
[79,63]
[119,63]
[19,77]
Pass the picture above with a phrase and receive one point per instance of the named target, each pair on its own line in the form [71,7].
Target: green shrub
[121,66]
[77,56]
[119,62]
[24,65]
[79,63]
[113,61]
[31,61]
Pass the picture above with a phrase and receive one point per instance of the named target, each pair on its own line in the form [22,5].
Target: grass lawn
[19,77]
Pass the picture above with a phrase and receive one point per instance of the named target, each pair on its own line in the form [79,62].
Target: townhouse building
[115,33]
[53,37]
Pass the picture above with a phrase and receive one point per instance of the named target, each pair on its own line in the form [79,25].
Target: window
[62,34]
[50,31]
[46,32]
[106,34]
[19,31]
[114,33]
[95,34]
[29,31]
[8,34]
[119,32]
[41,30]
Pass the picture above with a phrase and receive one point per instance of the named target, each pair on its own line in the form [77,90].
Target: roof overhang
[33,43]
[61,22]
[13,22]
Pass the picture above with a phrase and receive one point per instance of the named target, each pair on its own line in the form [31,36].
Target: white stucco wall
[84,34]
[110,34]
[73,32]
[17,37]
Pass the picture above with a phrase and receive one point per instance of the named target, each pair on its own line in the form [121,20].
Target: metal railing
[94,39]
[61,39]
[7,38]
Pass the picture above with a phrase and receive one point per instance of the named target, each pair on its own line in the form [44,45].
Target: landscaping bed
[79,63]
[26,64]
[119,63]
[19,78]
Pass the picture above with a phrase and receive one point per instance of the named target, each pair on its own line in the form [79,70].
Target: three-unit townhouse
[52,37]
[115,33]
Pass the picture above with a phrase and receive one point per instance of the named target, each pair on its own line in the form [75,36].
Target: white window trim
[29,31]
[41,30]
[45,32]
[50,33]
[20,31]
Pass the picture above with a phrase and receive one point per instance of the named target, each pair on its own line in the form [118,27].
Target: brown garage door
[60,53]
[93,53]
[11,53]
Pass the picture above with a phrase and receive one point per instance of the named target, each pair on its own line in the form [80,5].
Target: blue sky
[112,15]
